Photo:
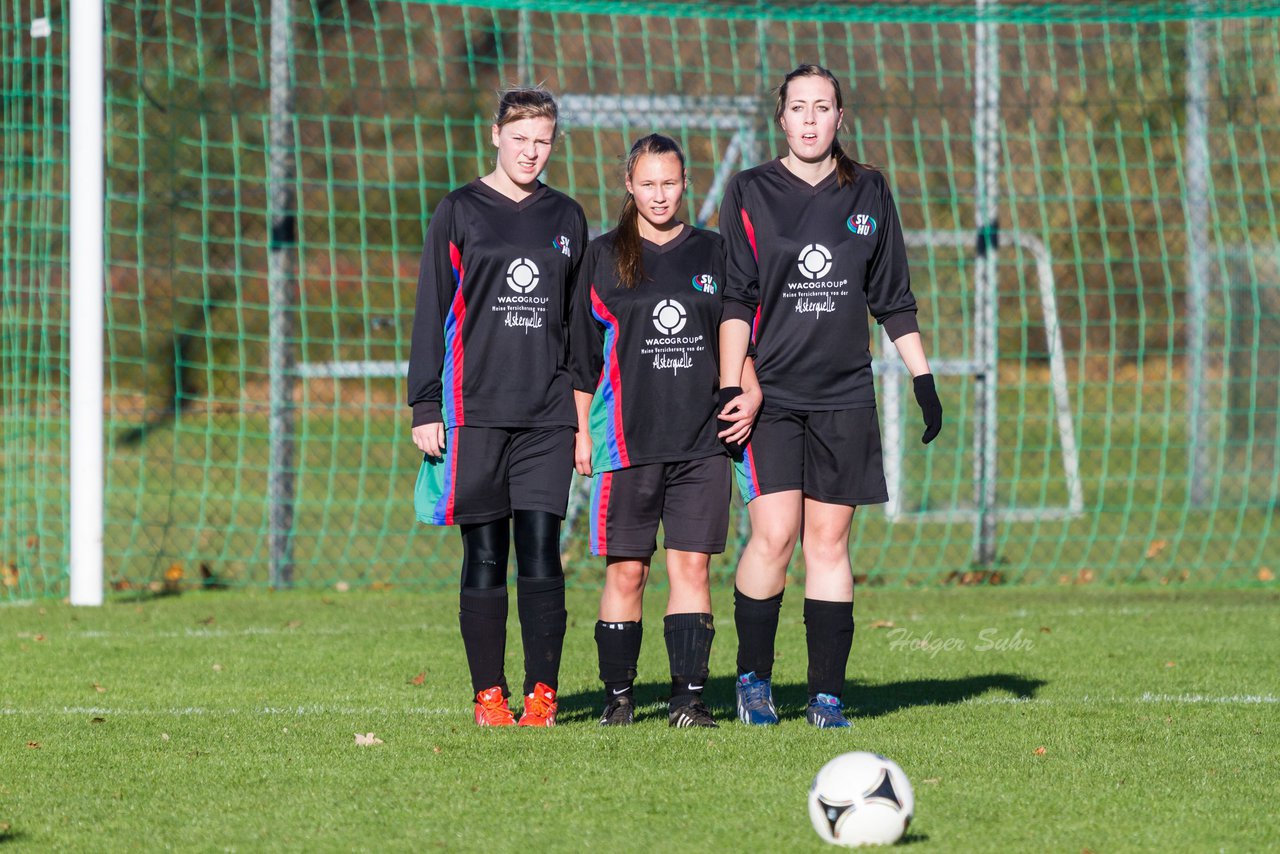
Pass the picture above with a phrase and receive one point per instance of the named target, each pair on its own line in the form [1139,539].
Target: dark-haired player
[814,243]
[644,353]
[492,401]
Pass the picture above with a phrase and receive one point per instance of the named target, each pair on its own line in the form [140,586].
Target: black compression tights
[486,546]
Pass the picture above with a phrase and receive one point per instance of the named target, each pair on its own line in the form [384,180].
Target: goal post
[87,190]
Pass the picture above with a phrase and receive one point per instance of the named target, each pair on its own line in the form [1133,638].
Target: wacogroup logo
[669,317]
[561,243]
[705,283]
[862,224]
[522,275]
[815,261]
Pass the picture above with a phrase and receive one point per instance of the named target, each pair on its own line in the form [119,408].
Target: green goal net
[1111,394]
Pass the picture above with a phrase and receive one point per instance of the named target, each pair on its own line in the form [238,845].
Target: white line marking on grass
[257,711]
[1172,699]
[1233,700]
[320,710]
[255,631]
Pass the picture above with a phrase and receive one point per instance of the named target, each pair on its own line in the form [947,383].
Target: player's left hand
[930,407]
[738,408]
[582,453]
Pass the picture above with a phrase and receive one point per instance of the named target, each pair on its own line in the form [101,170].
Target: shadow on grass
[7,835]
[862,699]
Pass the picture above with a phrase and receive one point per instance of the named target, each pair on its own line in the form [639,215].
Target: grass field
[1035,720]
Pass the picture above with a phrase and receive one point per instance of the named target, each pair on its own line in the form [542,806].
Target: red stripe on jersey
[459,312]
[751,234]
[755,327]
[614,369]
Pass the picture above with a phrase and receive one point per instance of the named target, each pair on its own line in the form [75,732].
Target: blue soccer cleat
[824,713]
[755,701]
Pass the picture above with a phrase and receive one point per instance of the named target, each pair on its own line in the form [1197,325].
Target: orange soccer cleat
[491,708]
[539,707]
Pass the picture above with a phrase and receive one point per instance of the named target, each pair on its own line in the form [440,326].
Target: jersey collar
[801,184]
[484,188]
[670,244]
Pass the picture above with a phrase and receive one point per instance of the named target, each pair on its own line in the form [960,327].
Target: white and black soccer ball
[861,799]
[669,317]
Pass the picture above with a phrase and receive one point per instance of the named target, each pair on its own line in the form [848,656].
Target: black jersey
[489,328]
[649,353]
[805,264]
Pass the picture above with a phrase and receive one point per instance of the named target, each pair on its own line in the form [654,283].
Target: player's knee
[774,543]
[627,577]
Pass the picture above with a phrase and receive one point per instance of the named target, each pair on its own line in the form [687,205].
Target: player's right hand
[582,453]
[430,439]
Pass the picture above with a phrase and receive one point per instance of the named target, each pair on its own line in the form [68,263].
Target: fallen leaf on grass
[419,679]
[380,585]
[435,748]
[1086,576]
[97,720]
[10,575]
[164,736]
[1265,574]
[367,740]
[882,624]
[1040,751]
[1156,547]
[1171,664]
[342,587]
[207,621]
[217,668]
[1044,630]
[34,745]
[99,688]
[293,624]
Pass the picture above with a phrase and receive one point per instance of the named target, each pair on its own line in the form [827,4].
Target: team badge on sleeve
[704,283]
[561,243]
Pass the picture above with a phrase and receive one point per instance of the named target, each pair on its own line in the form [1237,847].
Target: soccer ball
[861,799]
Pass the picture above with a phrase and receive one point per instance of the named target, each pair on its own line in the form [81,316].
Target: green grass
[227,721]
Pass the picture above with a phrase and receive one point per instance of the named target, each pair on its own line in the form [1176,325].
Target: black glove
[722,400]
[930,407]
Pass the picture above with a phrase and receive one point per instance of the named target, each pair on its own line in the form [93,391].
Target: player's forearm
[735,335]
[582,402]
[911,349]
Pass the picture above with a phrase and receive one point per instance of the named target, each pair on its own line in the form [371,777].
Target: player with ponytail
[814,244]
[647,309]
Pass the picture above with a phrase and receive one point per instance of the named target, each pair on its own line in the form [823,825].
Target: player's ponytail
[627,248]
[846,166]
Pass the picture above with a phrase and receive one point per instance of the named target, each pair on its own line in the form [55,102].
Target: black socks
[618,646]
[688,639]
[540,602]
[482,614]
[828,629]
[757,623]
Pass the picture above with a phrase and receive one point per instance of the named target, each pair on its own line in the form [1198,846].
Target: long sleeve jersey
[649,354]
[489,328]
[805,265]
